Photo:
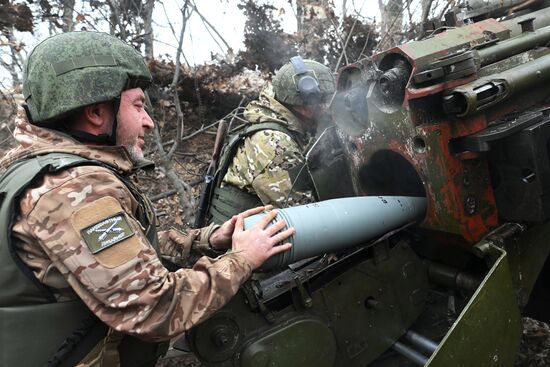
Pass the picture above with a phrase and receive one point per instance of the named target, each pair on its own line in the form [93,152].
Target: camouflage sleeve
[176,245]
[279,176]
[83,219]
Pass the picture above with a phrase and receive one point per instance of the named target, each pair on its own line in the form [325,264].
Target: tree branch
[427,5]
[179,114]
[210,25]
[346,45]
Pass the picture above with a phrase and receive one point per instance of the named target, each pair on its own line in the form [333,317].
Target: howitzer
[462,119]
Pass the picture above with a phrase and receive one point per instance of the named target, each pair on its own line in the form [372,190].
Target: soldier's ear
[99,116]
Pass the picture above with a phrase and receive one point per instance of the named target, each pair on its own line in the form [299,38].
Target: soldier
[79,236]
[264,163]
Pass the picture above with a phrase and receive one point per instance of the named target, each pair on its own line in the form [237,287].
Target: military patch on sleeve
[107,232]
[111,235]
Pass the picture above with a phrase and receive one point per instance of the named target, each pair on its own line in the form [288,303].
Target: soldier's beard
[132,145]
[135,152]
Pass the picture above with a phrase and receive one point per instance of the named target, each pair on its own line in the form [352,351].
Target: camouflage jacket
[267,163]
[123,283]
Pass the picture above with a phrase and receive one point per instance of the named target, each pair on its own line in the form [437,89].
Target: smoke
[350,111]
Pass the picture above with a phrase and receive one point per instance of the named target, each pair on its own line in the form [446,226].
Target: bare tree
[186,199]
[14,65]
[129,20]
[68,10]
[13,17]
[148,27]
[426,7]
[314,20]
[391,23]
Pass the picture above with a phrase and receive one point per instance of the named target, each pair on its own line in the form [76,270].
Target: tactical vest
[35,329]
[229,200]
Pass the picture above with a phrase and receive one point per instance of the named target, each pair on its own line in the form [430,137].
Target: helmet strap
[28,113]
[84,137]
[116,107]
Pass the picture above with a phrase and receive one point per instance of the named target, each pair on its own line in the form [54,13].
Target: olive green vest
[229,200]
[35,329]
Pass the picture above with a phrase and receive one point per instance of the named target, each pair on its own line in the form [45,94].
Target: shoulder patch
[107,232]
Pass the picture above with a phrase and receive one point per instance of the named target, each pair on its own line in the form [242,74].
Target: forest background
[207,66]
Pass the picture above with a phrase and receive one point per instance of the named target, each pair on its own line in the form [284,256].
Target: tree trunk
[13,67]
[309,12]
[148,28]
[314,18]
[68,10]
[426,7]
[114,20]
[391,23]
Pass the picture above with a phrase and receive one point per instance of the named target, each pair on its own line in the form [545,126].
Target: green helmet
[75,69]
[303,82]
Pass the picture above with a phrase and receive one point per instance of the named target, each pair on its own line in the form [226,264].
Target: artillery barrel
[334,225]
[542,19]
[492,89]
[513,46]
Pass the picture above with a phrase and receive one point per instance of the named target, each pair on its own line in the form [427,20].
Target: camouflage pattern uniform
[81,230]
[267,162]
[125,285]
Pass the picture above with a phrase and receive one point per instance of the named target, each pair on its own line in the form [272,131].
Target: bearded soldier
[81,282]
[263,162]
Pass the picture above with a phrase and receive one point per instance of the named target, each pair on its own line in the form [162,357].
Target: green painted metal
[542,19]
[514,46]
[512,81]
[383,299]
[302,342]
[448,43]
[354,316]
[526,255]
[488,331]
[358,309]
[512,61]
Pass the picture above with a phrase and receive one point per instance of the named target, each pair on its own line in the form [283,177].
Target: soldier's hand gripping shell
[221,238]
[259,243]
